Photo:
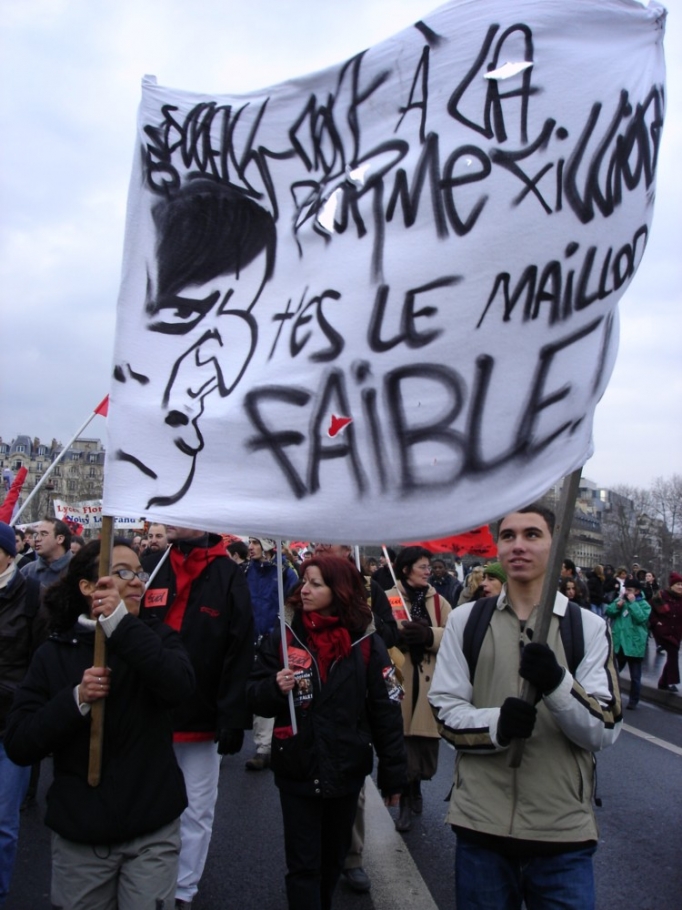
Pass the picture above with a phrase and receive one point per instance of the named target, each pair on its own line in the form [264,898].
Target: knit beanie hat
[8,539]
[266,543]
[675,578]
[633,582]
[495,570]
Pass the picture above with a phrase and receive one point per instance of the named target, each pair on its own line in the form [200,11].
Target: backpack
[570,628]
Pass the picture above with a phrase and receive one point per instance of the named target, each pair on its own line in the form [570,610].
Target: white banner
[380,302]
[89,515]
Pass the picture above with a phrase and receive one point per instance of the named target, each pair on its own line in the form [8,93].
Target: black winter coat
[22,630]
[339,722]
[217,631]
[141,787]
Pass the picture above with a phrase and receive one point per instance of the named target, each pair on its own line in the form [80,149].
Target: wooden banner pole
[564,518]
[100,660]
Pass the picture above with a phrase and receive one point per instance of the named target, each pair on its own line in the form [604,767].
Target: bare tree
[629,531]
[666,502]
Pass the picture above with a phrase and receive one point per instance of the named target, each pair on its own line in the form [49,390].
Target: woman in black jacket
[346,701]
[115,844]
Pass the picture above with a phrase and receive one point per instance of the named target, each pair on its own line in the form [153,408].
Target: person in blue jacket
[262,573]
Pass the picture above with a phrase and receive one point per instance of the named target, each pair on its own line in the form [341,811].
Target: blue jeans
[13,786]
[488,880]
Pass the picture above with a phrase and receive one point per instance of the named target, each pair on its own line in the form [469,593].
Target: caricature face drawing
[215,251]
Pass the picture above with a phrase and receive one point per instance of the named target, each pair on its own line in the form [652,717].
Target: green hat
[495,570]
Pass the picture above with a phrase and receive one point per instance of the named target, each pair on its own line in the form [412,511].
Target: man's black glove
[416,633]
[229,741]
[540,667]
[517,719]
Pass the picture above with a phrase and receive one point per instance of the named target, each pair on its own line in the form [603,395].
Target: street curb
[670,700]
[396,880]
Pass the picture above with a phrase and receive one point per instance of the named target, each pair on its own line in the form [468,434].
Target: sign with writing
[89,515]
[380,302]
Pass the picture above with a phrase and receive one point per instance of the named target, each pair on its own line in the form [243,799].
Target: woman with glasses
[422,614]
[115,844]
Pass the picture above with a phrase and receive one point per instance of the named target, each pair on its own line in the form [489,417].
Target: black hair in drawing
[207,229]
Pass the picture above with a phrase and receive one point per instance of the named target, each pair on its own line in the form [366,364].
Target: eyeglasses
[128,575]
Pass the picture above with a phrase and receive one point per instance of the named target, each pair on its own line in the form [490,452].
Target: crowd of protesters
[372,655]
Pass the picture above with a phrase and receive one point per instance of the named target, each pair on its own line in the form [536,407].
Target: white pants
[200,764]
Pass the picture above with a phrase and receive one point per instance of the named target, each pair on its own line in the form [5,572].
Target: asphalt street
[637,864]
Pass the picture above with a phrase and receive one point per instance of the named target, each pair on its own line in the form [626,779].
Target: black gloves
[540,667]
[229,741]
[517,719]
[417,633]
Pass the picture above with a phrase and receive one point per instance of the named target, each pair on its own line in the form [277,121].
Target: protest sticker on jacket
[381,301]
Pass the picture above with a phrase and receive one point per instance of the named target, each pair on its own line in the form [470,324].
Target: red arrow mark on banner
[338,424]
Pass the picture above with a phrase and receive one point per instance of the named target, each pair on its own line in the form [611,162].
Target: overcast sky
[70,72]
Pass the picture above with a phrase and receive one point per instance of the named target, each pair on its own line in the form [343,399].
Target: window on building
[72,486]
[20,449]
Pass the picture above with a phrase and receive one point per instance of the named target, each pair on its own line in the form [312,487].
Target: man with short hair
[53,552]
[157,542]
[201,594]
[22,629]
[446,584]
[239,552]
[261,577]
[383,576]
[529,830]
[25,553]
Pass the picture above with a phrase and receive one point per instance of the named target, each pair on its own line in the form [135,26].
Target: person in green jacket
[629,617]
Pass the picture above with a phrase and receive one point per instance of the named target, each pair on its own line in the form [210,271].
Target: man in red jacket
[203,595]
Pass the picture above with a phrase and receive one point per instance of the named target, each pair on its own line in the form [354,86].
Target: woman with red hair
[346,701]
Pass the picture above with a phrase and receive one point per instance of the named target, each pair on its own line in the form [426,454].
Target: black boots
[404,821]
[417,803]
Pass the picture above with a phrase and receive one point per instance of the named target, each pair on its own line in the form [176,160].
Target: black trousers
[317,835]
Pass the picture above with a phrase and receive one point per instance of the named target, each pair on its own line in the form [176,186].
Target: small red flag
[103,407]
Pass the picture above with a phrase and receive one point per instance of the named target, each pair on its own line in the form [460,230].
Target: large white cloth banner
[380,302]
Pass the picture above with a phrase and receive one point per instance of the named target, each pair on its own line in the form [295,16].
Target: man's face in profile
[206,339]
[209,336]
[214,253]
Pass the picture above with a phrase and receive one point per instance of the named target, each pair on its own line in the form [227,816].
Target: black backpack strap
[475,629]
[572,637]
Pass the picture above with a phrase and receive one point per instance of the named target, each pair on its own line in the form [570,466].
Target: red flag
[478,542]
[7,508]
[103,407]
